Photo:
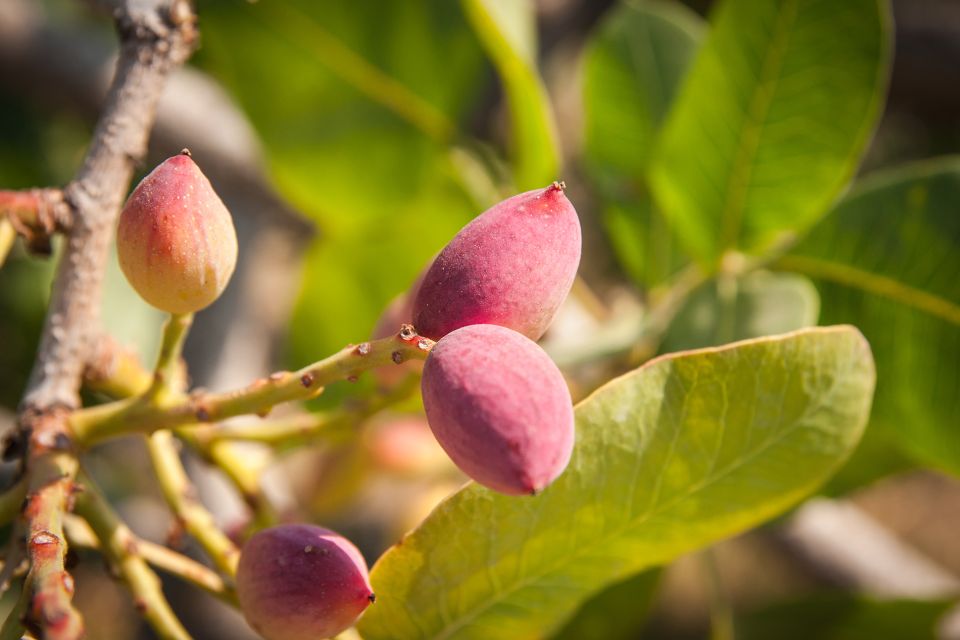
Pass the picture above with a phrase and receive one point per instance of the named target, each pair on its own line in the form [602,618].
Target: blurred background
[351,141]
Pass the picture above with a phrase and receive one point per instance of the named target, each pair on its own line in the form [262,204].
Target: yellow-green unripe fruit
[176,242]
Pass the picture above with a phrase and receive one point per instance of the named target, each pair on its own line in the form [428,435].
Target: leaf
[506,29]
[771,121]
[674,456]
[633,65]
[888,259]
[759,304]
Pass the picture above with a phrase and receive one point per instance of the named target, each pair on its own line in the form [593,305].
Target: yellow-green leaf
[682,452]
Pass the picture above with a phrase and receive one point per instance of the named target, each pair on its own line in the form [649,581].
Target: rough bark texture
[156,37]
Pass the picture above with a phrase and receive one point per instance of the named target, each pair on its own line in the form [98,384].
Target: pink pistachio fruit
[512,266]
[301,582]
[499,407]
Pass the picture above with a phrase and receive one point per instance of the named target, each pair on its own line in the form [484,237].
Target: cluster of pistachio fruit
[494,400]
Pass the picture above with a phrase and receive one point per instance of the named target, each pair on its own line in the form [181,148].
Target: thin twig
[118,373]
[296,431]
[181,496]
[137,416]
[721,610]
[80,534]
[119,544]
[175,485]
[50,489]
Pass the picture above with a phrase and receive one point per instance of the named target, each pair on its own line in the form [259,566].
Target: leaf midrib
[754,121]
[873,283]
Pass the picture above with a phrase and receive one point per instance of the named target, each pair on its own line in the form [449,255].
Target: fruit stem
[721,612]
[168,381]
[179,493]
[119,373]
[98,423]
[169,375]
[290,433]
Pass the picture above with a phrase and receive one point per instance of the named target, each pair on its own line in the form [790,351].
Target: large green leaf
[682,452]
[507,30]
[888,260]
[633,64]
[771,120]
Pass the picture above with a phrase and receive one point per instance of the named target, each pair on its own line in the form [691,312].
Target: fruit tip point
[558,185]
[186,152]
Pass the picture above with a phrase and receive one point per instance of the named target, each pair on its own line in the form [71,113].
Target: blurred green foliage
[844,617]
[633,65]
[358,106]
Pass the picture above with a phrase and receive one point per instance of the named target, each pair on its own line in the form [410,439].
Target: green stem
[120,374]
[120,546]
[296,431]
[80,534]
[138,415]
[172,477]
[168,374]
[179,494]
[721,612]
